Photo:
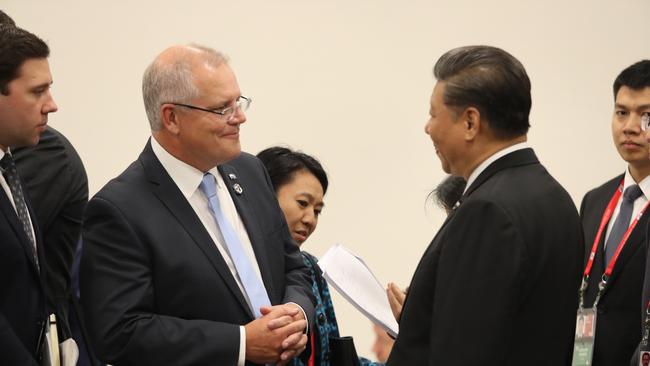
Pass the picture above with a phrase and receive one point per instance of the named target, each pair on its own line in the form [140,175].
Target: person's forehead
[626,93]
[220,79]
[35,70]
[438,90]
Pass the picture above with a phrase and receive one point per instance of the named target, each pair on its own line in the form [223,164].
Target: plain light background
[348,82]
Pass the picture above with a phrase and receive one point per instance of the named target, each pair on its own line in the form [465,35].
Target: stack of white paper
[350,276]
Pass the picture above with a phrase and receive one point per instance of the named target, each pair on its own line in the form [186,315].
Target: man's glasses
[645,121]
[227,113]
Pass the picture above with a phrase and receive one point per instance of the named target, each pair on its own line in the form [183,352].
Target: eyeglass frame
[645,121]
[223,111]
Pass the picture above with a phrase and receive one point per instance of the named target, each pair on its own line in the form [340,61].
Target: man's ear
[169,119]
[471,119]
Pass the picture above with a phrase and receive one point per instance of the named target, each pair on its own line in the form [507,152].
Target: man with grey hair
[187,258]
[498,284]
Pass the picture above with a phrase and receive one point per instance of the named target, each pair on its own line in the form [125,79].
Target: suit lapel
[10,214]
[40,249]
[513,159]
[516,158]
[168,193]
[237,191]
[634,242]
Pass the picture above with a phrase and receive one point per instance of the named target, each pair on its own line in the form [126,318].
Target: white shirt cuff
[242,346]
[242,337]
[304,316]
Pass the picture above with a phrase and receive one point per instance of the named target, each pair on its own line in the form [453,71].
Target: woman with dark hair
[300,183]
[448,192]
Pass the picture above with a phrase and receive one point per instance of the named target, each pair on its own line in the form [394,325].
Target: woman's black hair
[282,163]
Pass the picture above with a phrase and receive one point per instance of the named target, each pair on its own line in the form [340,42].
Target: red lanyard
[609,211]
[312,357]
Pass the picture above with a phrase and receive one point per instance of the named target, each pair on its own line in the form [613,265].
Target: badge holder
[583,346]
[644,348]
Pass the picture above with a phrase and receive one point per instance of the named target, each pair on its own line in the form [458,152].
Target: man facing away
[498,283]
[619,306]
[187,259]
[25,102]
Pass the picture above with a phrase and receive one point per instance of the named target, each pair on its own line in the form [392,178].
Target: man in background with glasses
[187,258]
[618,329]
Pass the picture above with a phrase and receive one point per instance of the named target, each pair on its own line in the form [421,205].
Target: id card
[583,347]
[644,358]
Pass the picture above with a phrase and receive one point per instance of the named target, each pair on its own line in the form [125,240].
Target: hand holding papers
[350,276]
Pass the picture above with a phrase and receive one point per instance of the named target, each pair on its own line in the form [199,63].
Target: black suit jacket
[498,284]
[645,299]
[156,288]
[618,330]
[22,298]
[56,181]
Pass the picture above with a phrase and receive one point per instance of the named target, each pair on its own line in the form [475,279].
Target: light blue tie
[252,284]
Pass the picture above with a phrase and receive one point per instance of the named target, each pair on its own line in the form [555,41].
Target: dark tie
[11,176]
[622,221]
[253,286]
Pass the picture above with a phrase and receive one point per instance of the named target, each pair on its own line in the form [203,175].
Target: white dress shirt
[638,203]
[188,179]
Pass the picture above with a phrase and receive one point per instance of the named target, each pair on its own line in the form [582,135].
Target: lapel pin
[232,176]
[238,189]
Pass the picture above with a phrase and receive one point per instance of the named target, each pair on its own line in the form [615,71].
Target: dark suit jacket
[156,289]
[22,300]
[645,299]
[56,181]
[618,330]
[498,284]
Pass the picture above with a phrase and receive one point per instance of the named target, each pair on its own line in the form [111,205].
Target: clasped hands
[277,336]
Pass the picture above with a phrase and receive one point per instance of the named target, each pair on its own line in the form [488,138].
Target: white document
[65,353]
[69,352]
[350,276]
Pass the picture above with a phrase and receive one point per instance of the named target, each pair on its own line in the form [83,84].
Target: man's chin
[27,142]
[233,153]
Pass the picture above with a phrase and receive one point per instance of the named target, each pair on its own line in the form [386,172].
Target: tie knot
[632,192]
[6,162]
[208,185]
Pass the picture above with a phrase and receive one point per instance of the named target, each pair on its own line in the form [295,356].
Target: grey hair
[163,82]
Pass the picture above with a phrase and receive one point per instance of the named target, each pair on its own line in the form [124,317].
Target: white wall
[349,82]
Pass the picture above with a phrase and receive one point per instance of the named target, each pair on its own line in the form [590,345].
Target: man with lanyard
[615,234]
[642,355]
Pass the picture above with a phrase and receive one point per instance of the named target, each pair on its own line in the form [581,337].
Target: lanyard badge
[644,348]
[583,346]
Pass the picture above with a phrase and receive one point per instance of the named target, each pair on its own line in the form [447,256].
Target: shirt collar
[186,177]
[2,155]
[494,157]
[643,184]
